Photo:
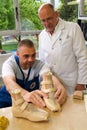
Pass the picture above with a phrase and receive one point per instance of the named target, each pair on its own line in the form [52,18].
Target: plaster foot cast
[22,109]
[47,87]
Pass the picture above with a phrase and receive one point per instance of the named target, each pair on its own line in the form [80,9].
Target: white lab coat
[66,54]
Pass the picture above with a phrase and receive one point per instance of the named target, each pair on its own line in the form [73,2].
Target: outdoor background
[29,19]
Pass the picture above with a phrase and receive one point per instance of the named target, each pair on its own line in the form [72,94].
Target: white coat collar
[58,30]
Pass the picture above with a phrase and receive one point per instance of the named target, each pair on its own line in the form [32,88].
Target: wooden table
[72,117]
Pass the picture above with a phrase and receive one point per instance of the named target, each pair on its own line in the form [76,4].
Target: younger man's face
[26,56]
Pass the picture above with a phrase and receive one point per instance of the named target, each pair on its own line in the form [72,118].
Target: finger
[57,93]
[62,98]
[42,94]
[37,100]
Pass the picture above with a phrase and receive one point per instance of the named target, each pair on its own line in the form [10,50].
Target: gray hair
[25,42]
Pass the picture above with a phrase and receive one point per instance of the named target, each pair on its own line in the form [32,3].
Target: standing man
[23,71]
[62,47]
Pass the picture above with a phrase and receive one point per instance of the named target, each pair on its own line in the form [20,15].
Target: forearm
[33,96]
[61,94]
[11,84]
[57,82]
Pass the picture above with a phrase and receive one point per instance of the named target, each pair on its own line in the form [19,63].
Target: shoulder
[38,63]
[70,24]
[43,32]
[10,61]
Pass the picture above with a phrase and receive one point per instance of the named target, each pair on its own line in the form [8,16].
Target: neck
[52,32]
[54,28]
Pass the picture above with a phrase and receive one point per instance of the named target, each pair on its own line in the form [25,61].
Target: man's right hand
[35,97]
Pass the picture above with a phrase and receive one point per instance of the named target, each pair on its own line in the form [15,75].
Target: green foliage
[28,14]
[6,15]
[9,47]
[29,11]
[68,12]
[65,1]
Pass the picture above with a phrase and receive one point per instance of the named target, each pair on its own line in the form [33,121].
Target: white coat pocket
[67,46]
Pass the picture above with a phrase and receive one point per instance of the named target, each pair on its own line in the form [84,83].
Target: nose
[30,58]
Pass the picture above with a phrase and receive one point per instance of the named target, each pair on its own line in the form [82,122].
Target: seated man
[24,71]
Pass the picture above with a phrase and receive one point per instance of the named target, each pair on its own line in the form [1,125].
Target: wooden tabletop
[72,117]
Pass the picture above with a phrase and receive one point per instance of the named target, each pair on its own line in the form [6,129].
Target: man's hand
[36,97]
[60,94]
[80,87]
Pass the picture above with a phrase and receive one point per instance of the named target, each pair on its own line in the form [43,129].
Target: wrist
[80,87]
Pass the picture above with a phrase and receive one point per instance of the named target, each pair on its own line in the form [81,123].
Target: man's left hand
[60,94]
[80,87]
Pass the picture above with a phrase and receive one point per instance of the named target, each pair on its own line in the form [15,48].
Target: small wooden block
[85,99]
[78,95]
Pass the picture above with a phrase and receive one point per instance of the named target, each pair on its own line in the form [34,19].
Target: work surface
[72,117]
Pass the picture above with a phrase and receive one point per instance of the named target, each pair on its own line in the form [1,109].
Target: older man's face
[49,18]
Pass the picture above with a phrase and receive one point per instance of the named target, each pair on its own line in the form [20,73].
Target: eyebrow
[29,54]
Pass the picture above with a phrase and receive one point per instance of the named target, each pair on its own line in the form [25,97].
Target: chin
[30,65]
[49,30]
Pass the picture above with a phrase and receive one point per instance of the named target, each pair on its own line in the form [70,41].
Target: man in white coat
[62,47]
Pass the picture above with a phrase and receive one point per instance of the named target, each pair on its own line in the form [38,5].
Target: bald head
[44,6]
[48,16]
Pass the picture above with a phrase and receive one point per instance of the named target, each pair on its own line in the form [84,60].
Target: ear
[56,14]
[17,53]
